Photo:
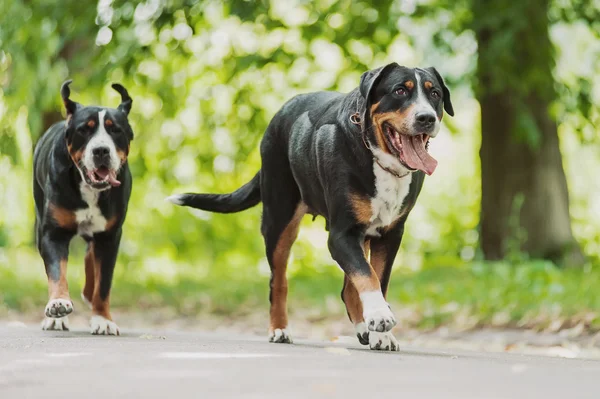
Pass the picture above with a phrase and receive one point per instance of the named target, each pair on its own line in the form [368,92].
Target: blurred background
[506,233]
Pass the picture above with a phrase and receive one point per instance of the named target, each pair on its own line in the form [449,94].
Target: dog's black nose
[425,119]
[100,152]
[101,155]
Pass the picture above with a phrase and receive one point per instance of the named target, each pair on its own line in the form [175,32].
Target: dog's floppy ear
[126,101]
[70,105]
[447,103]
[369,79]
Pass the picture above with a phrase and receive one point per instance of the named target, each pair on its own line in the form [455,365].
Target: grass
[532,295]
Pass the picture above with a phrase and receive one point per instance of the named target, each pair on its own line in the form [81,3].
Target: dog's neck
[389,170]
[389,163]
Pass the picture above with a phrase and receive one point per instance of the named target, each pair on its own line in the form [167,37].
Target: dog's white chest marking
[390,192]
[90,219]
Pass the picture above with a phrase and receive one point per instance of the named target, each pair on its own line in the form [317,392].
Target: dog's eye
[435,94]
[85,130]
[401,91]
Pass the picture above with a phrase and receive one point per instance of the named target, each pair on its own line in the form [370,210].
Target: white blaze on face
[423,105]
[101,139]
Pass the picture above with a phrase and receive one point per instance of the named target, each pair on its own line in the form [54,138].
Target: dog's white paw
[51,323]
[58,308]
[280,336]
[376,312]
[102,326]
[86,301]
[362,333]
[380,320]
[385,341]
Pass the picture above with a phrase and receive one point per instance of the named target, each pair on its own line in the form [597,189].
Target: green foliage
[460,295]
[517,58]
[205,79]
[207,76]
[501,294]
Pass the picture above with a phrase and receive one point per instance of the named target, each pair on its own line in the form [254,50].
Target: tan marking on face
[350,295]
[91,123]
[409,84]
[75,156]
[63,217]
[428,85]
[397,119]
[59,288]
[122,155]
[378,130]
[90,259]
[279,286]
[100,306]
[108,122]
[361,207]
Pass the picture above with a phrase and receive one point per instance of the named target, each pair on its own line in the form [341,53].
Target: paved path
[173,365]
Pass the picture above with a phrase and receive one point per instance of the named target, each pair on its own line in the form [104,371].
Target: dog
[82,186]
[357,159]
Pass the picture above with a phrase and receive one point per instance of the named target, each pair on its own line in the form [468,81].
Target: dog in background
[357,159]
[81,186]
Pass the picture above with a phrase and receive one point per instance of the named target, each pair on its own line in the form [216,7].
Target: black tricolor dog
[82,186]
[357,159]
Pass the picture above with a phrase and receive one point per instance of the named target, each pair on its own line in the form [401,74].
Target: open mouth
[411,150]
[102,177]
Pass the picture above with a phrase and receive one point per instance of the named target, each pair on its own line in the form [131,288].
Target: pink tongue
[102,172]
[415,155]
[109,175]
[112,179]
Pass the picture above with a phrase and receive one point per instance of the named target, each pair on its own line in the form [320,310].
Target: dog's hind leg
[87,293]
[282,213]
[383,254]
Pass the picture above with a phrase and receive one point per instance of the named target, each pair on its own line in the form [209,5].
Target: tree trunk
[49,118]
[525,202]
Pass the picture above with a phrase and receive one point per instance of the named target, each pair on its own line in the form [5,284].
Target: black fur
[313,154]
[58,182]
[243,198]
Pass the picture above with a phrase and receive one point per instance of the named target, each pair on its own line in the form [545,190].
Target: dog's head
[98,138]
[404,108]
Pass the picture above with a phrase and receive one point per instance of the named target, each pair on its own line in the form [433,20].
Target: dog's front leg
[382,251]
[54,249]
[346,247]
[104,255]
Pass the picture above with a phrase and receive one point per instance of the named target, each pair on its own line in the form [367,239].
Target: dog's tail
[241,199]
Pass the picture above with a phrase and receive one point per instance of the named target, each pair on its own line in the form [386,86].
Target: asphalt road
[173,365]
